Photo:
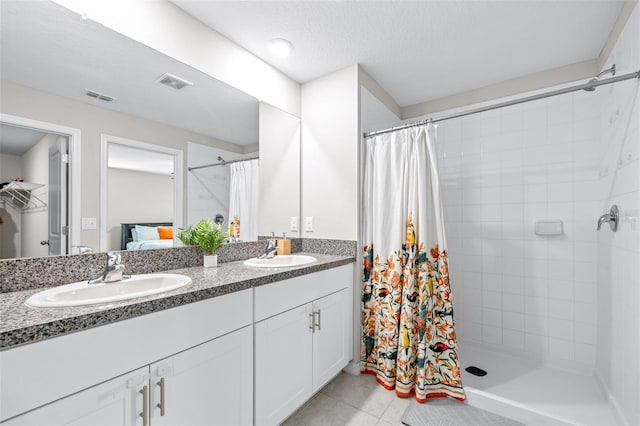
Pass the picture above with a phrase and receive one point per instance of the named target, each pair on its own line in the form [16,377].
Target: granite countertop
[21,324]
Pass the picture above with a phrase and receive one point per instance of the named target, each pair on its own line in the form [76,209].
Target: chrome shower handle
[613,217]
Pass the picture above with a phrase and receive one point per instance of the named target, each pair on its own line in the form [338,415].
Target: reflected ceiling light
[174,81]
[280,47]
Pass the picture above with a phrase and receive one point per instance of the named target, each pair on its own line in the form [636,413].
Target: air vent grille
[97,95]
[174,81]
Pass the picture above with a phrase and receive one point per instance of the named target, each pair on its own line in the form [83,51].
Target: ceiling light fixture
[280,47]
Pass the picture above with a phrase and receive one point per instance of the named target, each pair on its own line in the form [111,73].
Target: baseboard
[352,368]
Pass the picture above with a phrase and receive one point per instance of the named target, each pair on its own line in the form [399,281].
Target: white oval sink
[82,293]
[281,261]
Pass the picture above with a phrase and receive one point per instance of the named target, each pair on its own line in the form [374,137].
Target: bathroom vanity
[183,357]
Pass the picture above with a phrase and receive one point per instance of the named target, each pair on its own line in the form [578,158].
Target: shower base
[533,393]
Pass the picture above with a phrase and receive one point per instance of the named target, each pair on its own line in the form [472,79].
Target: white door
[58,197]
[331,345]
[210,384]
[283,364]
[113,403]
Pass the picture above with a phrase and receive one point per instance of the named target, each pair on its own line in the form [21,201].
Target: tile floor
[351,400]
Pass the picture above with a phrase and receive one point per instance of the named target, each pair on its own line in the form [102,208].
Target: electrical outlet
[308,224]
[294,223]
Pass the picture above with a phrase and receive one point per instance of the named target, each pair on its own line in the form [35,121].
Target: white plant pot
[211,261]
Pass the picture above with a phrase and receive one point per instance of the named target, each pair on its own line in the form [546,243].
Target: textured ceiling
[417,50]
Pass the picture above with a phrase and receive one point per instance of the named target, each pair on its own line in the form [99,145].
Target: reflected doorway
[39,194]
[140,183]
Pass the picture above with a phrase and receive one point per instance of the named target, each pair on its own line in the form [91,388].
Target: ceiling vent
[100,96]
[174,81]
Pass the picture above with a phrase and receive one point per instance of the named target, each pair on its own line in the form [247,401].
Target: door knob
[44,243]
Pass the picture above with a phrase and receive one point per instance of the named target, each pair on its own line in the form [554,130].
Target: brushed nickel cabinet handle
[161,405]
[312,327]
[145,398]
[318,323]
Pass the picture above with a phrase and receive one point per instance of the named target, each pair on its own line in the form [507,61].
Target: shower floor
[527,391]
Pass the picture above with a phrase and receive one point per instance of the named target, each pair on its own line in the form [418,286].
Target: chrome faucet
[113,271]
[270,250]
[613,217]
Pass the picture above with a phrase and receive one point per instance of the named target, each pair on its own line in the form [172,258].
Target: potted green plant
[208,235]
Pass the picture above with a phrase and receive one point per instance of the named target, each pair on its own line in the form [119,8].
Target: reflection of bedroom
[138,194]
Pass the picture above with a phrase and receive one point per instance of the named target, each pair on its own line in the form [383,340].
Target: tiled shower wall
[618,344]
[501,172]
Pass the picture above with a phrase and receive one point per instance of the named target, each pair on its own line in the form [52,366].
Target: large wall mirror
[59,69]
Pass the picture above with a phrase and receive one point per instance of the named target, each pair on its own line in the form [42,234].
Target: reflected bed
[145,235]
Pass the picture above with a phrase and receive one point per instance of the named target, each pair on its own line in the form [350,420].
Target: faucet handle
[83,249]
[114,258]
[613,217]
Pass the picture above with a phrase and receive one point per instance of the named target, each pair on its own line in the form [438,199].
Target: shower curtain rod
[221,163]
[591,84]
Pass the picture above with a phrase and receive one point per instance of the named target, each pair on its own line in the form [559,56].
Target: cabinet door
[115,402]
[331,342]
[210,384]
[283,364]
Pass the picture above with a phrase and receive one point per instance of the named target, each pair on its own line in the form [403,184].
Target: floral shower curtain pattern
[408,336]
[243,200]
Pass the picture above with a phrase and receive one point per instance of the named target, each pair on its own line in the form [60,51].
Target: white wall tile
[492,335]
[536,343]
[561,329]
[513,321]
[561,349]
[513,339]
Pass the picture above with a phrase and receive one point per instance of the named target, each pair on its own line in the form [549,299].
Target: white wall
[279,171]
[134,197]
[329,164]
[93,121]
[208,189]
[180,36]
[618,254]
[10,241]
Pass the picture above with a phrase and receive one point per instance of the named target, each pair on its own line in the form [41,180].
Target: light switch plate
[308,224]
[294,223]
[89,223]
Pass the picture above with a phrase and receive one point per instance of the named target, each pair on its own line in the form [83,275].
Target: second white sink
[281,261]
[82,293]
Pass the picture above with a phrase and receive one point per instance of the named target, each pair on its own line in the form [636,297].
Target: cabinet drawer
[35,374]
[281,296]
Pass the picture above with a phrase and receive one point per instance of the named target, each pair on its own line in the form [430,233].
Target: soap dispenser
[284,245]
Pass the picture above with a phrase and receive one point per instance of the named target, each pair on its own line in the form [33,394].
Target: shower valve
[613,217]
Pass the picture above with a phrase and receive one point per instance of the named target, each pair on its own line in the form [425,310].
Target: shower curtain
[408,336]
[243,200]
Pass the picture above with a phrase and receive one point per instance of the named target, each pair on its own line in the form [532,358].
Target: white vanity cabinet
[203,363]
[115,402]
[77,379]
[211,384]
[302,339]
